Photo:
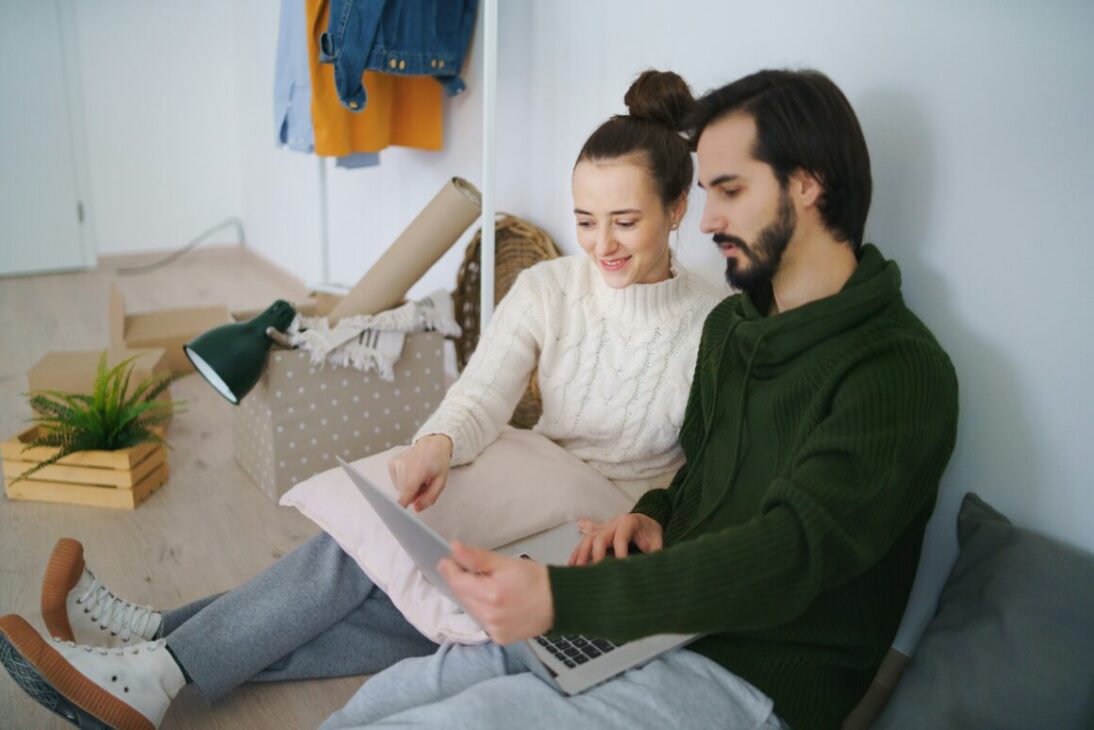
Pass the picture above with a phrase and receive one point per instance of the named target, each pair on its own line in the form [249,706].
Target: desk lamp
[231,357]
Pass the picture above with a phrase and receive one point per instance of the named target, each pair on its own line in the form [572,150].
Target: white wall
[158,89]
[279,188]
[978,117]
[179,120]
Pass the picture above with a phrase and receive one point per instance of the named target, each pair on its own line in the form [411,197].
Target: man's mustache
[721,239]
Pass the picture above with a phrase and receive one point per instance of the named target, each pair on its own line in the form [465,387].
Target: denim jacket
[413,37]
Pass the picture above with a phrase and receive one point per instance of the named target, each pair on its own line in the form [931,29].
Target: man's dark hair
[803,122]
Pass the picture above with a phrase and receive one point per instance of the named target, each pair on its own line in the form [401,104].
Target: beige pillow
[518,486]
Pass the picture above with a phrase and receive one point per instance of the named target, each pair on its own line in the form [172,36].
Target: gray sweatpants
[477,687]
[311,614]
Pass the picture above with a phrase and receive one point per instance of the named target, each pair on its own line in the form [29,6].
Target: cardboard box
[166,328]
[299,416]
[318,304]
[74,371]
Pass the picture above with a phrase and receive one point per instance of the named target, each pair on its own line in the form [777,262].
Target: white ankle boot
[77,607]
[128,688]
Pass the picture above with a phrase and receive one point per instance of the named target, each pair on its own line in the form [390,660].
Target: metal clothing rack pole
[489,125]
[324,210]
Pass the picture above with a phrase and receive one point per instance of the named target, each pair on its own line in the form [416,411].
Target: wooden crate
[120,479]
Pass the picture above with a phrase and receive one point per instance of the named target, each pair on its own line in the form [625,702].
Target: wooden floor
[208,529]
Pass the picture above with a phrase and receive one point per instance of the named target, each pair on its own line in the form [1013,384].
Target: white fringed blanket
[372,341]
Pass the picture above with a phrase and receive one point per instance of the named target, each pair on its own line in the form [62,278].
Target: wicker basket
[519,244]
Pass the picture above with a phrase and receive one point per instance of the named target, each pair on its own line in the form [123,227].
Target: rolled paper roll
[425,240]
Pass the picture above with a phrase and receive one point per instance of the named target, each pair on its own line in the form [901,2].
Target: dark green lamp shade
[231,357]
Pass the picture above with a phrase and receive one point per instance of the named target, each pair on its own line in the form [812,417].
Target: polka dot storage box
[300,416]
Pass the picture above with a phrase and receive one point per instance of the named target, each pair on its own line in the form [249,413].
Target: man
[821,417]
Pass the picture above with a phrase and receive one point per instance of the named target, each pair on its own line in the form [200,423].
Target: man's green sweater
[815,440]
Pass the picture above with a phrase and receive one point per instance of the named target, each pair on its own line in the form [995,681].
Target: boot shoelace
[115,650]
[110,612]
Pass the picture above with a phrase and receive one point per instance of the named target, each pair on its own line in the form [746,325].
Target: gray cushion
[1012,643]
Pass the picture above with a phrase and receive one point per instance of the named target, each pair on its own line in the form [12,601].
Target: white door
[41,214]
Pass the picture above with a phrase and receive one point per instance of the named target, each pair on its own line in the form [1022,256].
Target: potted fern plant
[104,448]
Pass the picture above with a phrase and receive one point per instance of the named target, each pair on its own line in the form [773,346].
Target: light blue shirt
[292,89]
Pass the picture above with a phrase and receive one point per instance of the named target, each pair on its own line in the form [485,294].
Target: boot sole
[28,679]
[52,682]
[63,571]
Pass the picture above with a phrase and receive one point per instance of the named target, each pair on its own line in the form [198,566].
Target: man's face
[750,215]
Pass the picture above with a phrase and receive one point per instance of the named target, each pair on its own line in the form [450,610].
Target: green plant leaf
[141,388]
[128,416]
[153,386]
[168,380]
[108,419]
[49,408]
[63,451]
[98,394]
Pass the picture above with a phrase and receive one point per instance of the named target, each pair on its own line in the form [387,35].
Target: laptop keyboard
[575,650]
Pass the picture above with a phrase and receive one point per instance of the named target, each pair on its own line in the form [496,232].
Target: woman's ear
[678,210]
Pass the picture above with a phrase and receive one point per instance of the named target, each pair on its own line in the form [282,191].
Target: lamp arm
[279,337]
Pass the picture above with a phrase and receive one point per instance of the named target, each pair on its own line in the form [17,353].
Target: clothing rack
[489,147]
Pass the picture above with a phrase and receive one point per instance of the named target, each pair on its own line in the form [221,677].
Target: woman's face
[621,222]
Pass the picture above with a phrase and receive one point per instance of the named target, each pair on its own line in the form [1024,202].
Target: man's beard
[765,254]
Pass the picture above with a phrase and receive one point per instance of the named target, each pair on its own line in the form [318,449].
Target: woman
[602,328]
[613,333]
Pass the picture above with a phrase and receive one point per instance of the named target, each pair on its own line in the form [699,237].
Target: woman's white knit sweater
[615,369]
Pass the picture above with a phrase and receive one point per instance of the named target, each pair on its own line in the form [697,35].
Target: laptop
[570,664]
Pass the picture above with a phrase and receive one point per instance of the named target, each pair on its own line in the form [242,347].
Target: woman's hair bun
[662,97]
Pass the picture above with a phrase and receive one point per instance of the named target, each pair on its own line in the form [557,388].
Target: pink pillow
[518,486]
